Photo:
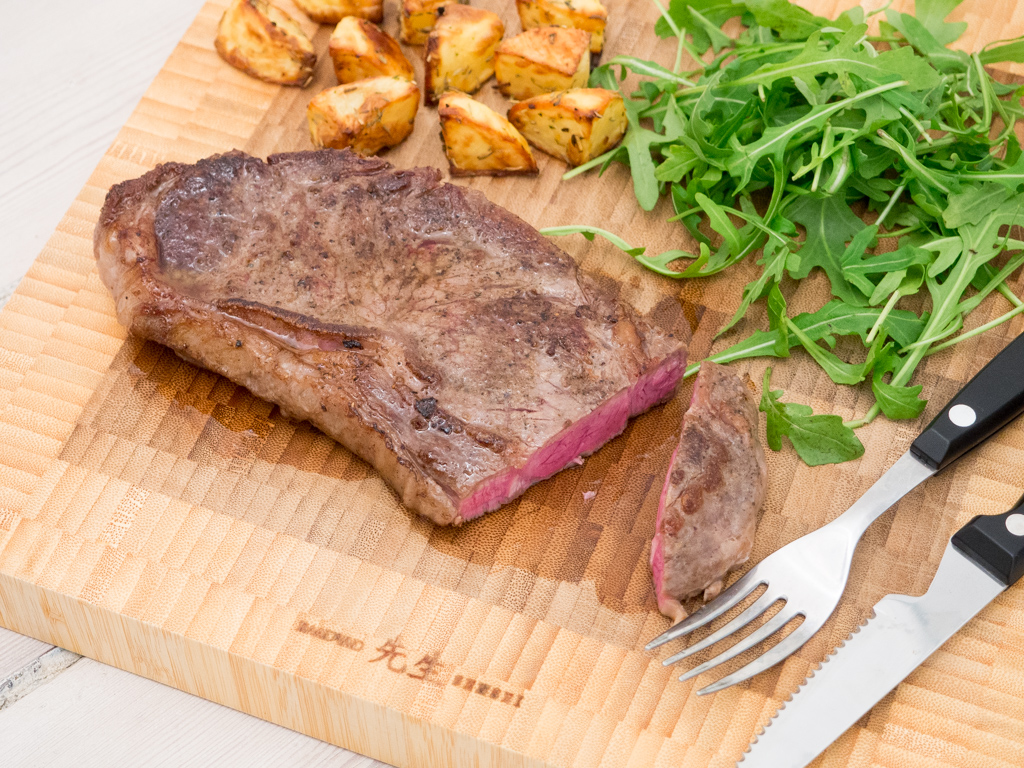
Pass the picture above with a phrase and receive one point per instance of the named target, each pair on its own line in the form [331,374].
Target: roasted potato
[417,18]
[576,125]
[263,41]
[333,11]
[366,115]
[541,60]
[480,142]
[588,15]
[361,49]
[460,50]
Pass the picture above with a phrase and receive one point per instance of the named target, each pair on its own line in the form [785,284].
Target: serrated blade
[903,632]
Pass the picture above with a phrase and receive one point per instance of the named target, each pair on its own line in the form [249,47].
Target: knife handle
[996,542]
[993,398]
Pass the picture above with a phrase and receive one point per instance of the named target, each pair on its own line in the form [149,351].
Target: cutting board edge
[260,690]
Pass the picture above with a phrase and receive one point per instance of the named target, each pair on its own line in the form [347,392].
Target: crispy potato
[263,41]
[480,142]
[541,60]
[366,116]
[460,50]
[333,11]
[417,18]
[576,125]
[361,49]
[588,15]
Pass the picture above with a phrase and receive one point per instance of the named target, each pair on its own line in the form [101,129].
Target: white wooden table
[57,709]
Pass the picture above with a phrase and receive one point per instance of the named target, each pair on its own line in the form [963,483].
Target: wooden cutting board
[159,518]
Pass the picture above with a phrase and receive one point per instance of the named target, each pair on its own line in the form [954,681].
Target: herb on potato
[818,115]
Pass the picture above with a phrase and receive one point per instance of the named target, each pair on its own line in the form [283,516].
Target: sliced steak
[714,488]
[434,334]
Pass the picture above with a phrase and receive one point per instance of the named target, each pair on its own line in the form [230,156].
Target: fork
[809,574]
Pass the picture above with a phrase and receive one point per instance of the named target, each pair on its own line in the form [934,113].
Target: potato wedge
[588,15]
[333,11]
[417,18]
[576,125]
[367,115]
[263,41]
[360,49]
[460,50]
[480,142]
[542,60]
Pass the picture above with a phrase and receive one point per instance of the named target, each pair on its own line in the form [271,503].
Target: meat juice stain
[562,537]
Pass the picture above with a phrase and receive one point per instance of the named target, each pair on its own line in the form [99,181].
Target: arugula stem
[592,163]
[882,315]
[976,331]
[892,201]
[866,419]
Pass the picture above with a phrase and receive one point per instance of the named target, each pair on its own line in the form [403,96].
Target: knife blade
[981,560]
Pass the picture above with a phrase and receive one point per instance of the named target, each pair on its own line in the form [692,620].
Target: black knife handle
[996,542]
[987,403]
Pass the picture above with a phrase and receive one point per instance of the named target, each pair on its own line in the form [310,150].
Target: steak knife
[981,560]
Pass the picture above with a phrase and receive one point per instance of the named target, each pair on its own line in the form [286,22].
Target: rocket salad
[787,126]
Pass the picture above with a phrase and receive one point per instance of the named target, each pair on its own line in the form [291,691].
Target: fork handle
[993,398]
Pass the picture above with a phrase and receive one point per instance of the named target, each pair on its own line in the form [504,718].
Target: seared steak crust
[714,489]
[434,334]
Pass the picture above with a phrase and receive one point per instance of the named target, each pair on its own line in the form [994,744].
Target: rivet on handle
[962,415]
[1015,524]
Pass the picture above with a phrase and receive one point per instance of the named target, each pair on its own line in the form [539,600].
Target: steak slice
[434,334]
[714,488]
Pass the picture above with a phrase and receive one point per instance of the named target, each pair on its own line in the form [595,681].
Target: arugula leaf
[776,139]
[932,15]
[846,58]
[839,371]
[790,124]
[790,21]
[973,204]
[896,402]
[834,319]
[774,261]
[715,11]
[818,439]
[778,323]
[830,224]
[1010,51]
[917,34]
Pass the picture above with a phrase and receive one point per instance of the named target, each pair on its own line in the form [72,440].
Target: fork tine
[770,627]
[759,606]
[789,644]
[726,600]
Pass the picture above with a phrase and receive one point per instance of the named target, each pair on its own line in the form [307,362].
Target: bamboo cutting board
[159,518]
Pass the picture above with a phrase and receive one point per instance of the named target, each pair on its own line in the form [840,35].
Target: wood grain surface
[162,520]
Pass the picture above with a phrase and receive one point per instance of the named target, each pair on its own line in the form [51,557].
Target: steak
[431,332]
[715,486]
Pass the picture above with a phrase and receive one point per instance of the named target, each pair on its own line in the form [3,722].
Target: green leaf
[973,204]
[834,319]
[941,57]
[778,323]
[776,139]
[774,261]
[790,21]
[680,160]
[896,402]
[818,439]
[838,370]
[715,11]
[720,222]
[830,225]
[932,15]
[844,59]
[1010,51]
